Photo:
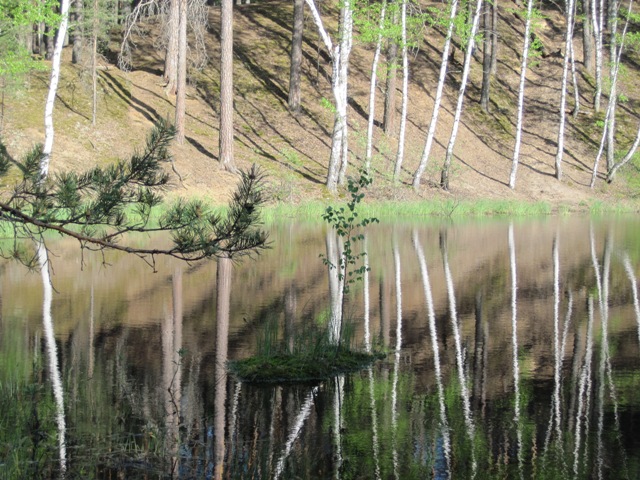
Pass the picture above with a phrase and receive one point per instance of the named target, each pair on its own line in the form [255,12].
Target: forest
[470,100]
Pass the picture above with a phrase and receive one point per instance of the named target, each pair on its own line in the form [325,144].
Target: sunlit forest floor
[294,150]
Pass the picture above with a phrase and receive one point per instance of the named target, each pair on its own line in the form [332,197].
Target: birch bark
[444,177]
[53,88]
[523,76]
[372,89]
[438,98]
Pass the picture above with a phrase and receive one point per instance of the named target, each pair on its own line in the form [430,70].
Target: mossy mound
[287,368]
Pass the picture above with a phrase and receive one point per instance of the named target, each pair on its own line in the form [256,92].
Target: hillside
[295,150]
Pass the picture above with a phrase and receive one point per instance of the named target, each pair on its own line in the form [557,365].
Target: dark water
[513,352]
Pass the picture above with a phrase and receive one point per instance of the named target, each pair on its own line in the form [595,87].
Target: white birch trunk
[340,62]
[346,42]
[613,54]
[570,4]
[372,90]
[597,21]
[405,94]
[444,180]
[612,173]
[438,98]
[574,78]
[53,89]
[523,76]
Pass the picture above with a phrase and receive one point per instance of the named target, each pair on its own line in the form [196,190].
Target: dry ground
[295,150]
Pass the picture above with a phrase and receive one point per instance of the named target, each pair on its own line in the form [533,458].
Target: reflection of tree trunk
[634,288]
[52,353]
[92,353]
[441,470]
[290,315]
[172,368]
[367,327]
[514,345]
[336,283]
[338,400]
[478,356]
[296,428]
[223,303]
[385,314]
[462,377]
[396,363]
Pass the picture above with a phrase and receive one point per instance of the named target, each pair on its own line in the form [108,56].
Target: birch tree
[523,78]
[53,89]
[372,85]
[340,66]
[570,8]
[438,97]
[598,24]
[444,177]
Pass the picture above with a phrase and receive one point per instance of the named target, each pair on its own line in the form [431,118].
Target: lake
[512,351]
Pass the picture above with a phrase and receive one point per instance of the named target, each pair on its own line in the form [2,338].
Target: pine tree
[100,206]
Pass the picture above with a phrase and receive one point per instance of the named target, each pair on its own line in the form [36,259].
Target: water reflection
[514,352]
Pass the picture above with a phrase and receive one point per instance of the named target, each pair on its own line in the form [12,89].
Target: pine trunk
[76,52]
[170,74]
[94,65]
[296,56]
[587,35]
[405,94]
[486,58]
[181,91]
[226,87]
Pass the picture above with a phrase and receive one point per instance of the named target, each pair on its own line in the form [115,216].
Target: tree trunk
[596,19]
[296,56]
[226,86]
[372,89]
[346,42]
[494,37]
[389,116]
[405,94]
[486,57]
[523,76]
[570,5]
[438,98]
[94,64]
[340,69]
[181,91]
[587,35]
[170,74]
[613,94]
[444,177]
[53,88]
[78,18]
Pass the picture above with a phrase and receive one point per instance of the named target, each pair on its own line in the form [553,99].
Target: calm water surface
[513,352]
